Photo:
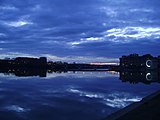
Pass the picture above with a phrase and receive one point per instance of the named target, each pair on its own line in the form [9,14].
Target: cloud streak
[11,8]
[123,35]
[133,33]
[18,23]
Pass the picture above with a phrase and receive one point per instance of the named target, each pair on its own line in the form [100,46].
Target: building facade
[135,61]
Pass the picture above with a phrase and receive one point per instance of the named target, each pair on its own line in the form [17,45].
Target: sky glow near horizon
[86,30]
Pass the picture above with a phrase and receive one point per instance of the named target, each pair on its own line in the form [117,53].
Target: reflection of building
[135,61]
[24,72]
[134,77]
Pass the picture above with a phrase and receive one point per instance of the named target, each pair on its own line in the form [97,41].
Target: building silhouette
[135,61]
[25,62]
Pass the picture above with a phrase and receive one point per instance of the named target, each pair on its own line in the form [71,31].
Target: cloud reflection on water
[115,100]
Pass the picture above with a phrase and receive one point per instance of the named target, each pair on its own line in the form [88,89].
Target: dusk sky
[79,30]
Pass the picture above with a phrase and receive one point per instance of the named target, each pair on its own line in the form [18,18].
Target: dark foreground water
[67,96]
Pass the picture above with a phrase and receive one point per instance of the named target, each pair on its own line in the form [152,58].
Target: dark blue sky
[79,30]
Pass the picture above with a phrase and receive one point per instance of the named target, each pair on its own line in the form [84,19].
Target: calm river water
[67,96]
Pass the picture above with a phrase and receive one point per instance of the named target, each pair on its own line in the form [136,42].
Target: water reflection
[135,77]
[24,72]
[70,95]
[132,77]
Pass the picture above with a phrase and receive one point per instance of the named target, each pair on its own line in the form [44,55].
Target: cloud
[79,58]
[4,42]
[14,54]
[18,23]
[86,40]
[83,28]
[3,35]
[51,57]
[142,10]
[36,8]
[12,8]
[123,35]
[111,12]
[129,34]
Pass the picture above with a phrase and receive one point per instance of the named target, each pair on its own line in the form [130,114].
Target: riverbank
[147,109]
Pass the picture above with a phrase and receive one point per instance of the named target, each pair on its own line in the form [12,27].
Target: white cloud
[86,40]
[8,8]
[128,34]
[141,10]
[18,23]
[75,43]
[22,21]
[122,35]
[91,39]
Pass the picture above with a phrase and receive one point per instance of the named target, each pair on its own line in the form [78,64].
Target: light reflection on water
[69,96]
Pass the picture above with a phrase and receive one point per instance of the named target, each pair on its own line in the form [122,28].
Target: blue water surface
[67,96]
